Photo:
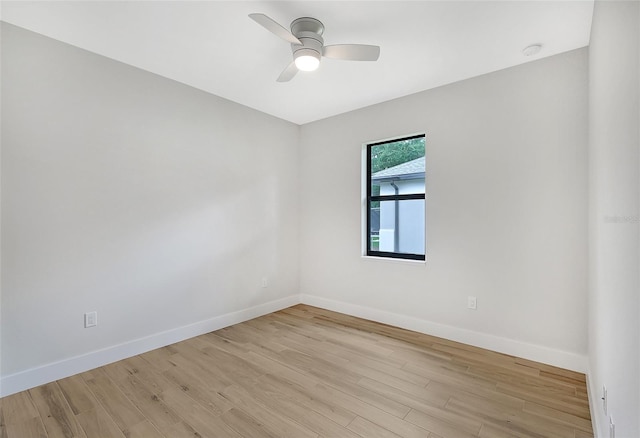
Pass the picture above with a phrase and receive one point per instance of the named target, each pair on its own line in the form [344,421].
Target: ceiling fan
[308,46]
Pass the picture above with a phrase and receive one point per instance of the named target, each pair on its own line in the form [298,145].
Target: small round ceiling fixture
[531,50]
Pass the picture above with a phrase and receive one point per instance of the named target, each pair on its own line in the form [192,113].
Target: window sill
[396,260]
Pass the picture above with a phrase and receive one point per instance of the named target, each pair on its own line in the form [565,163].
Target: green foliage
[388,155]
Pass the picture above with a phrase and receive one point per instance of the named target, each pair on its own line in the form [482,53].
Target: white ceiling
[214,46]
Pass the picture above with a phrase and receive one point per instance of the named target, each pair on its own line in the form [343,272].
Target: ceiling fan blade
[352,52]
[275,28]
[288,73]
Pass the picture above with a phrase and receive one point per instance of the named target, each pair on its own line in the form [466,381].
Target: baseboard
[594,404]
[538,353]
[58,370]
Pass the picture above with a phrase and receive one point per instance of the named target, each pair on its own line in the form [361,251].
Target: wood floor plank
[441,427]
[381,365]
[202,420]
[77,394]
[246,425]
[367,429]
[272,422]
[551,400]
[369,412]
[415,387]
[583,434]
[199,388]
[552,370]
[97,422]
[464,354]
[302,344]
[159,358]
[416,397]
[451,377]
[342,378]
[232,366]
[558,416]
[582,393]
[3,428]
[224,344]
[308,372]
[495,431]
[288,404]
[140,367]
[154,409]
[58,418]
[532,383]
[507,368]
[19,408]
[120,408]
[182,430]
[409,353]
[194,375]
[145,430]
[575,381]
[286,384]
[31,428]
[387,404]
[436,408]
[509,417]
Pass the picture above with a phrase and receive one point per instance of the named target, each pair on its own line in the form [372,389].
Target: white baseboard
[538,353]
[58,370]
[594,404]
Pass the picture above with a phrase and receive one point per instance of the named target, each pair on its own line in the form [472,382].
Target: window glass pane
[374,223]
[397,226]
[398,168]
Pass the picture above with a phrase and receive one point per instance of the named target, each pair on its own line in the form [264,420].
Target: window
[395,199]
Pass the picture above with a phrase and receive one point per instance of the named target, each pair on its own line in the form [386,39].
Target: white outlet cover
[90,319]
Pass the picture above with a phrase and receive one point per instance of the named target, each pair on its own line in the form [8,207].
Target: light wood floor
[306,372]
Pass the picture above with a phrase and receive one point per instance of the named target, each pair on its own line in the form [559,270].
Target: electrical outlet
[472,302]
[265,282]
[90,319]
[604,399]
[612,428]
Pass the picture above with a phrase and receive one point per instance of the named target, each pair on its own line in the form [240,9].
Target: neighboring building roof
[409,170]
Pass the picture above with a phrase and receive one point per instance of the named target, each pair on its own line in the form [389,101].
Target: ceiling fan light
[307,63]
[307,59]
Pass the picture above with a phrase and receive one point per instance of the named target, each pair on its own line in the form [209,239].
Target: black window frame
[406,197]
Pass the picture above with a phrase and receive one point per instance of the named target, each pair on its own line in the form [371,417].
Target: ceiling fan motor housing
[309,31]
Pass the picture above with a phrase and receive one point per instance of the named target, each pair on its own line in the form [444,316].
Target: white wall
[614,191]
[153,203]
[506,221]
